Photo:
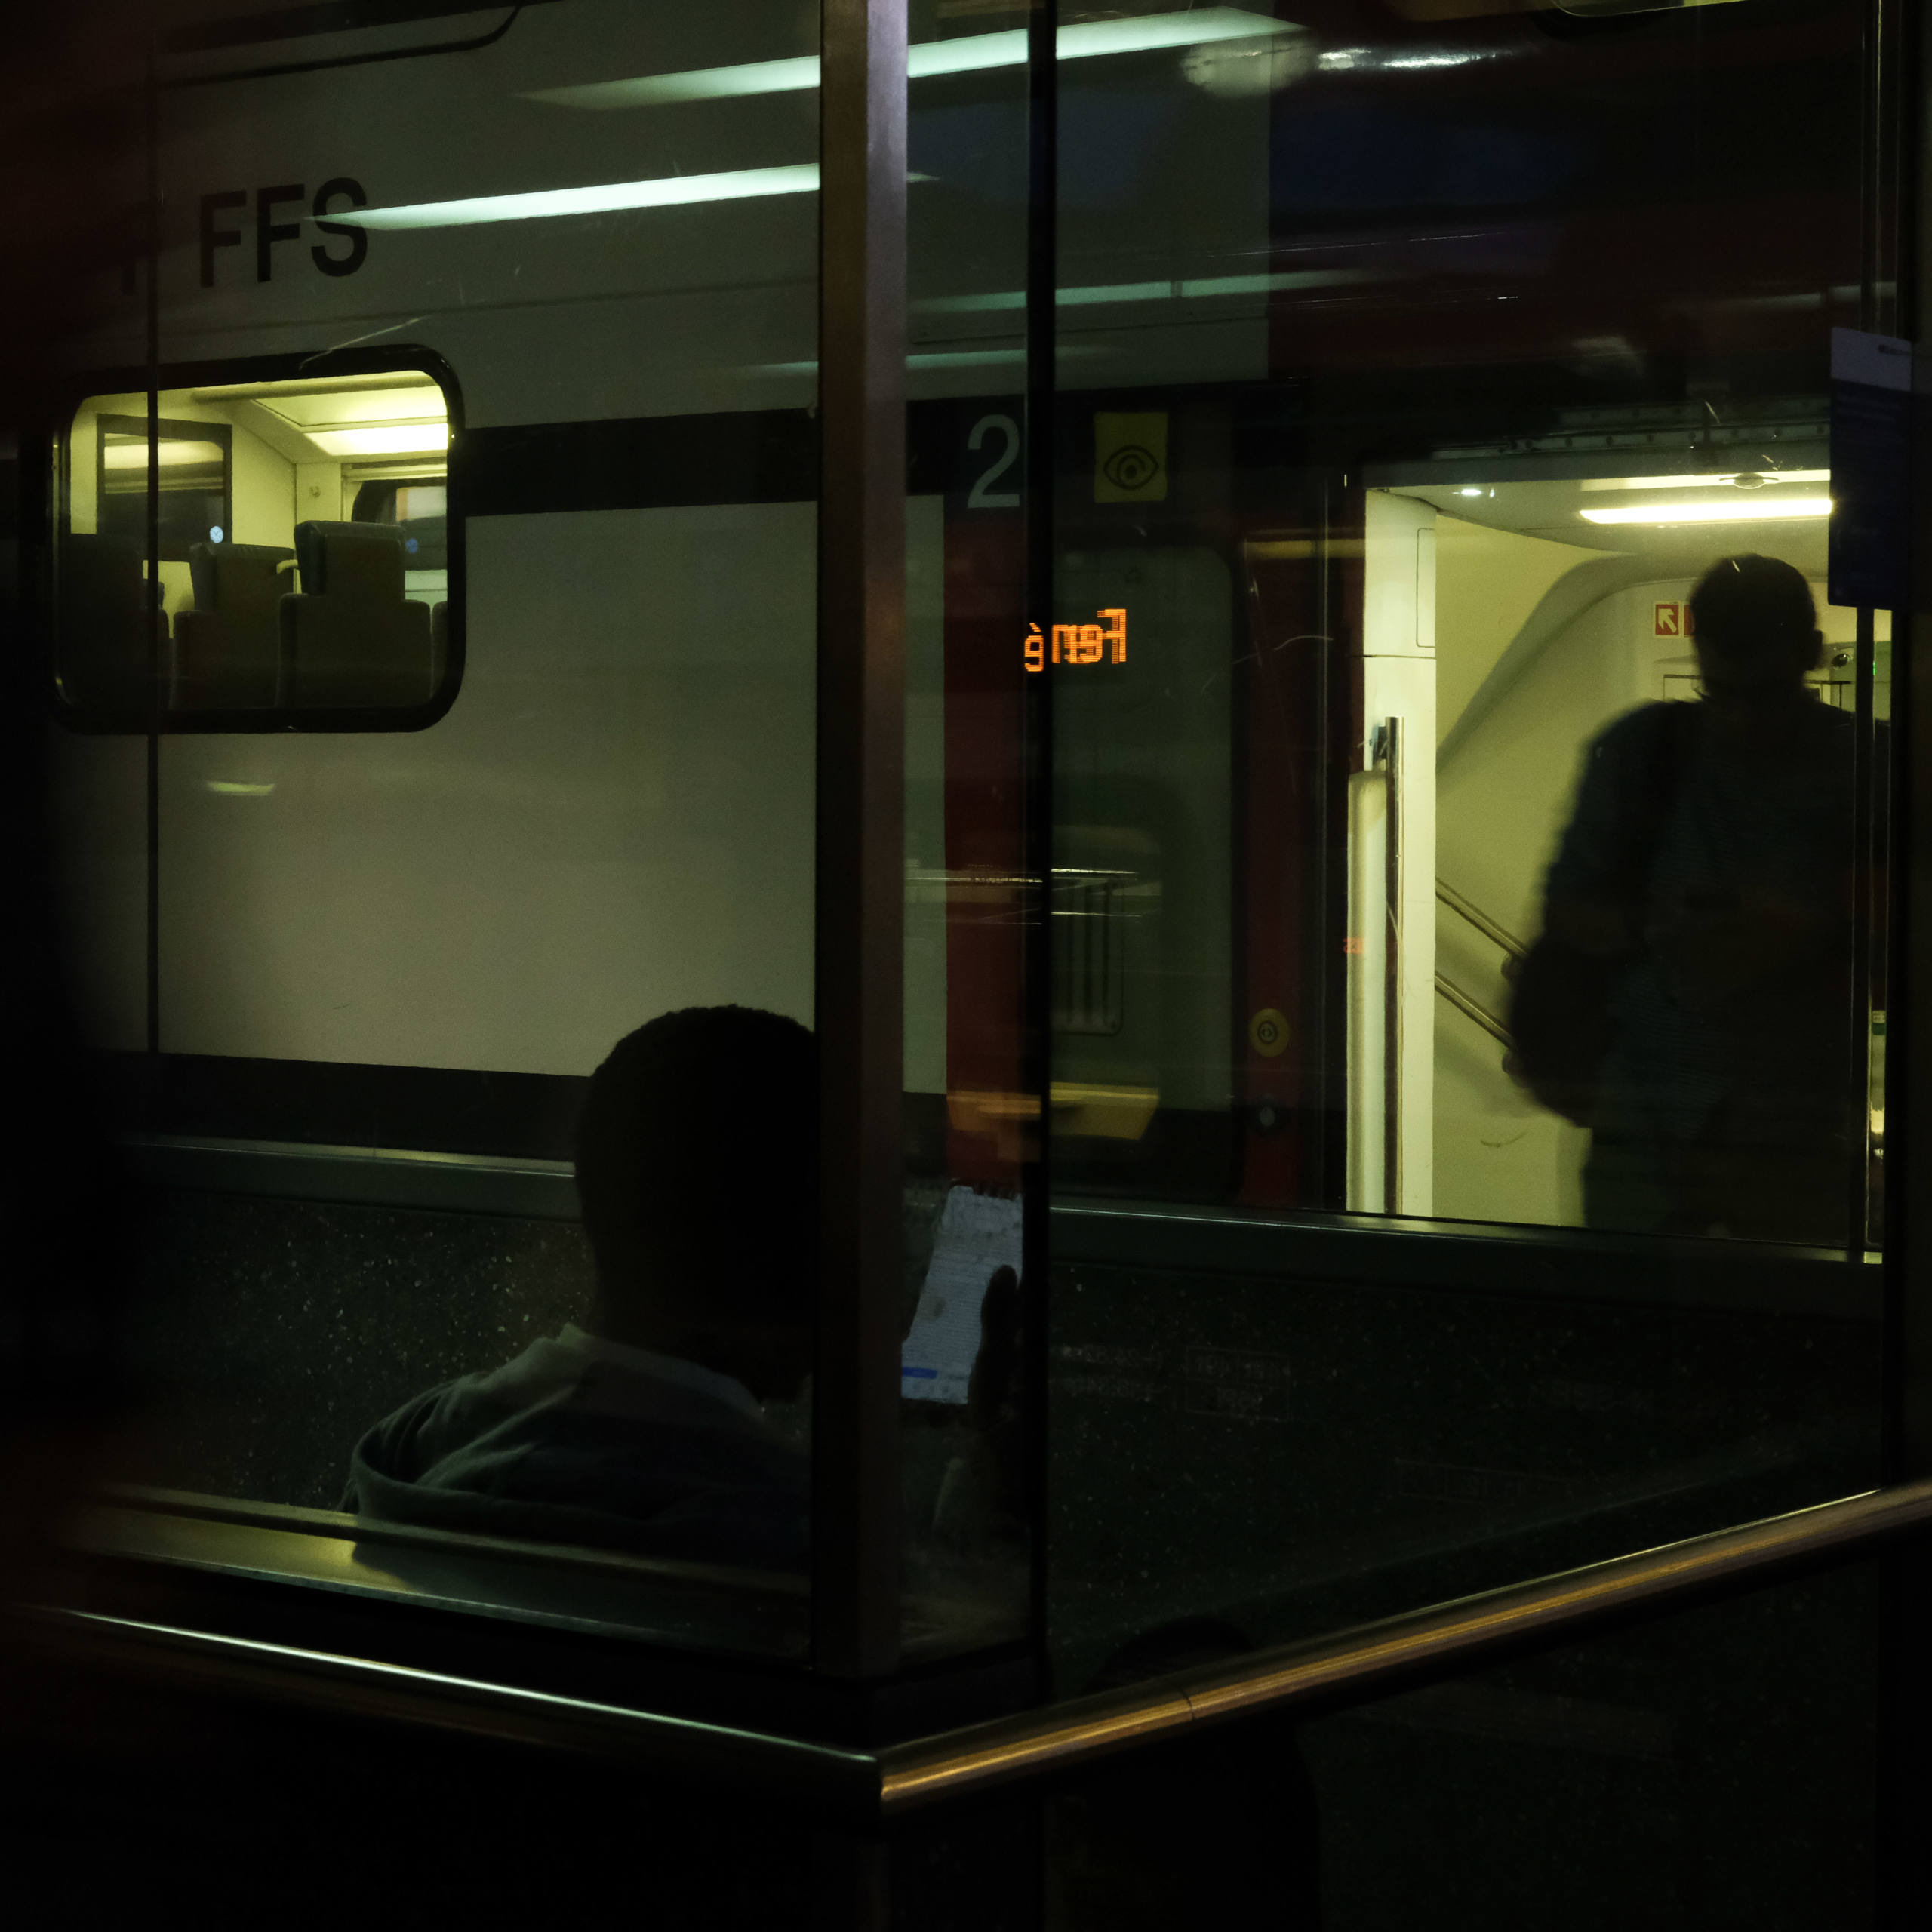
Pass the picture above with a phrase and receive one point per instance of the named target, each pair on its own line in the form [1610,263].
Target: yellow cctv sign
[1130,457]
[1268,1032]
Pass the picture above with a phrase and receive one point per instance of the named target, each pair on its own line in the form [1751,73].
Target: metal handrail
[1380,1658]
[1351,1667]
[1480,1014]
[1498,935]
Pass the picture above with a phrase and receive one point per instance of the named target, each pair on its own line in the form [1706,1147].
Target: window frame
[156,719]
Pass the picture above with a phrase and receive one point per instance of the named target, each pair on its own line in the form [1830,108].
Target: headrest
[101,572]
[103,556]
[238,578]
[357,560]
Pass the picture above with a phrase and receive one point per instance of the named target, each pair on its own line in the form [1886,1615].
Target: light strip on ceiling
[134,456]
[941,359]
[970,53]
[384,439]
[1741,510]
[1764,477]
[668,191]
[1205,286]
[378,379]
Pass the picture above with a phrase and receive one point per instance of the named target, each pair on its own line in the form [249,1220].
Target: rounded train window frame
[45,531]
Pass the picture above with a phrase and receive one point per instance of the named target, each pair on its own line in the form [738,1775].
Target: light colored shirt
[643,1366]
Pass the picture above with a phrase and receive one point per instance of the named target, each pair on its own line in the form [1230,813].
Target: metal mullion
[1893,162]
[1041,471]
[1858,1110]
[860,881]
[153,602]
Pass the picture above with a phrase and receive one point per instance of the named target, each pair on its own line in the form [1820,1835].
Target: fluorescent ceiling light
[1728,476]
[134,455]
[668,191]
[384,439]
[309,386]
[942,358]
[1739,509]
[957,359]
[350,410]
[1150,291]
[970,53]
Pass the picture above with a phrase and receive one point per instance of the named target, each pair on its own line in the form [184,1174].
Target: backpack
[1561,1026]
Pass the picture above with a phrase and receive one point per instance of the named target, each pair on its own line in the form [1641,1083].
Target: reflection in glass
[1381,418]
[283,582]
[974,1119]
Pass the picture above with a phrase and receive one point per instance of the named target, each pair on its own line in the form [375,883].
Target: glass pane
[1464,946]
[1652,1776]
[973,1105]
[526,330]
[1645,1776]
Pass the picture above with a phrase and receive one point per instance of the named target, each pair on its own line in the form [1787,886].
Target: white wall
[616,818]
[1399,681]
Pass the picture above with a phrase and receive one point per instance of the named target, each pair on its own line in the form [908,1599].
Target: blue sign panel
[1871,468]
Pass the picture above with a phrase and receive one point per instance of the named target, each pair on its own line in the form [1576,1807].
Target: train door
[1556,601]
[1201,690]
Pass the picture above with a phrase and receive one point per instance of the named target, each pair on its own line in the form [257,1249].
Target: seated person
[697,1168]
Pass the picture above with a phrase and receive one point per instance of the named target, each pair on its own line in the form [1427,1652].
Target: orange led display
[1079,643]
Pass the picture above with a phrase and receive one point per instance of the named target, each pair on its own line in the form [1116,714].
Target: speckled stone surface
[1715,1771]
[1297,1455]
[276,1332]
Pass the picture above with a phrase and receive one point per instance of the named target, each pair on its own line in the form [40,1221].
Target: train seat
[349,637]
[228,647]
[108,627]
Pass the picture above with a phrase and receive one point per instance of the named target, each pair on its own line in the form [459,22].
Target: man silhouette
[697,1169]
[1706,873]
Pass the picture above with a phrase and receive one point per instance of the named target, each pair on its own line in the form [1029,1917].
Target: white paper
[978,1234]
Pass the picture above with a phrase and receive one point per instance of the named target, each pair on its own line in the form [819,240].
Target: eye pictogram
[1130,467]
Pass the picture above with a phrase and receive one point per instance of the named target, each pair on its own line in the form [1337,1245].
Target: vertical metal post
[152,604]
[1392,983]
[861,840]
[1041,473]
[1893,301]
[1858,1098]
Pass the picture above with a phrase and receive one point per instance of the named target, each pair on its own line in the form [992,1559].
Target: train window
[265,555]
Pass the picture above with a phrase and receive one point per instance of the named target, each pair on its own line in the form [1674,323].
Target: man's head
[1756,628]
[697,1167]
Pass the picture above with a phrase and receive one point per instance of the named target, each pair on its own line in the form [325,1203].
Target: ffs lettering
[333,197]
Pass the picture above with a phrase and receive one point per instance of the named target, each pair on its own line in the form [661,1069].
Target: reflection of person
[1707,870]
[983,1500]
[697,1169]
